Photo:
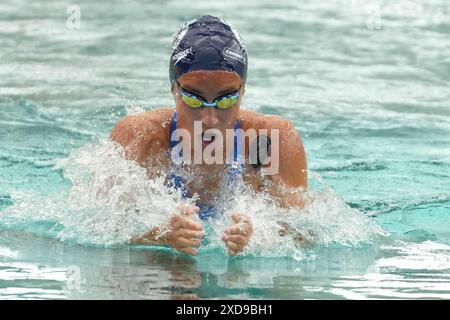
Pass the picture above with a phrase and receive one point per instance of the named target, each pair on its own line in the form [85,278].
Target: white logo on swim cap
[181,55]
[233,55]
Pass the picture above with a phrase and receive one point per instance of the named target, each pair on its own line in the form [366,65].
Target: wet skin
[145,138]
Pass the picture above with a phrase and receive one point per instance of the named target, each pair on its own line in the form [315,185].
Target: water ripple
[356,166]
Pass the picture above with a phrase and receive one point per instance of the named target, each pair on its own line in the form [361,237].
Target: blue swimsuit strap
[233,171]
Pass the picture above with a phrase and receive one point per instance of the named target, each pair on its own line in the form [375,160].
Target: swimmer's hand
[237,236]
[182,232]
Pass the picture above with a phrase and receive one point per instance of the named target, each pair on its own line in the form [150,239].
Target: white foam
[112,200]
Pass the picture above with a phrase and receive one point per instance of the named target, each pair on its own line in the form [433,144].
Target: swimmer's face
[208,85]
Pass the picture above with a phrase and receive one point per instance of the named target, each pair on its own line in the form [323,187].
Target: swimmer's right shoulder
[144,134]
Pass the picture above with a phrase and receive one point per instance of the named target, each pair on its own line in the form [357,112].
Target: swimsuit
[234,170]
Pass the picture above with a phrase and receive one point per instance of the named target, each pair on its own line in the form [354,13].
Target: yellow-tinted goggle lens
[227,102]
[192,102]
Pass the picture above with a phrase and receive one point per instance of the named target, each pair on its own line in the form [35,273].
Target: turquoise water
[364,82]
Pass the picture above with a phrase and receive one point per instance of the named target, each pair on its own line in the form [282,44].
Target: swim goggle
[223,102]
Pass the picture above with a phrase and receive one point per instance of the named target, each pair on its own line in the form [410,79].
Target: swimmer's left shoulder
[251,119]
[292,155]
[290,139]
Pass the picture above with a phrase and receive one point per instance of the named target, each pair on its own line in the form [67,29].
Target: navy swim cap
[207,43]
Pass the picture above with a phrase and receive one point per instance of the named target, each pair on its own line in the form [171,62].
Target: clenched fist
[237,236]
[182,232]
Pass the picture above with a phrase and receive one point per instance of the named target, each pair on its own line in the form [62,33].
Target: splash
[112,200]
[326,220]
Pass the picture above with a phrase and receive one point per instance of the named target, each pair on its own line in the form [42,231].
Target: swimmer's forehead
[202,81]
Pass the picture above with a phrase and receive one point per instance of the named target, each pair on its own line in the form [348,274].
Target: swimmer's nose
[209,118]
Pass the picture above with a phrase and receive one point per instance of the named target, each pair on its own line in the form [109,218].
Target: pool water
[364,82]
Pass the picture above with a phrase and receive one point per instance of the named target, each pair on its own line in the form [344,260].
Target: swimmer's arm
[291,179]
[143,136]
[154,237]
[127,134]
[302,239]
[182,232]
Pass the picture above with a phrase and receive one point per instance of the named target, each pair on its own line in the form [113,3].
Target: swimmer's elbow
[302,238]
[123,132]
[127,133]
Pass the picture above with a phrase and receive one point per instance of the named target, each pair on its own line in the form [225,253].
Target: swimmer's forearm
[155,236]
[286,197]
[304,239]
[291,202]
